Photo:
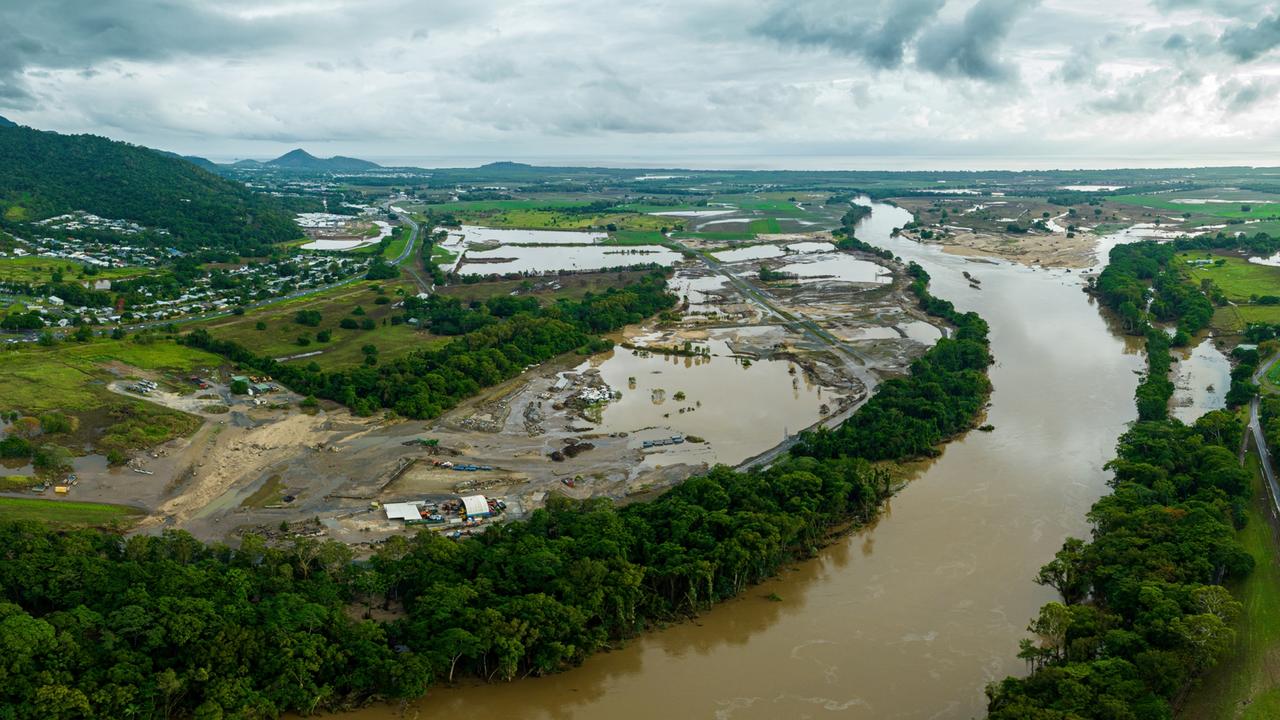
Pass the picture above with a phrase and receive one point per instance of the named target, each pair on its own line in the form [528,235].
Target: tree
[1066,573]
[239,387]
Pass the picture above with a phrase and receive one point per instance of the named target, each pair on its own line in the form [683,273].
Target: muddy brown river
[912,617]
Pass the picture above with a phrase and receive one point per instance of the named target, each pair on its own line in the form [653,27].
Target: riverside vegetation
[1143,611]
[96,625]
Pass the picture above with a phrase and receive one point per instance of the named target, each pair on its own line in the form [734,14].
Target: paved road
[1260,440]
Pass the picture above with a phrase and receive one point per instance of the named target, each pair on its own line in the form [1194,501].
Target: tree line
[1143,609]
[96,625]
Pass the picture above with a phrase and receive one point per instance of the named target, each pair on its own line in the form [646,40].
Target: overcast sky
[814,83]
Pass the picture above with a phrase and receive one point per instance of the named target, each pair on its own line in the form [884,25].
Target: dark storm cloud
[971,48]
[1250,42]
[877,32]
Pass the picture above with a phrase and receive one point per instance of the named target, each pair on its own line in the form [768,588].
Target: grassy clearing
[1237,277]
[280,332]
[38,270]
[66,513]
[1244,685]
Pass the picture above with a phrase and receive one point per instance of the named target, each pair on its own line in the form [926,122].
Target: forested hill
[43,174]
[6,122]
[302,160]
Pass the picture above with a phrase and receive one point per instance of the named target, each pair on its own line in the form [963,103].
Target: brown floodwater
[739,408]
[912,617]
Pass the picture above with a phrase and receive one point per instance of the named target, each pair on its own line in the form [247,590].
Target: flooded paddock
[531,259]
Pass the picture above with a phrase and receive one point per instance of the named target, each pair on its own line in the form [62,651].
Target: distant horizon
[731,162]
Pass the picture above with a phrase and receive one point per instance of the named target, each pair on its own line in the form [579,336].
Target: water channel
[912,617]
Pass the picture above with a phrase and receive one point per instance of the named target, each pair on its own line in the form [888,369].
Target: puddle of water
[841,267]
[1197,371]
[738,409]
[535,259]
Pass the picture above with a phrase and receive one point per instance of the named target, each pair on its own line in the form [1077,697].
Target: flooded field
[840,267]
[908,619]
[1202,377]
[534,259]
[478,235]
[739,408]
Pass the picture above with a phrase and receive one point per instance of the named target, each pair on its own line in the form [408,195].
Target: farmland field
[1238,278]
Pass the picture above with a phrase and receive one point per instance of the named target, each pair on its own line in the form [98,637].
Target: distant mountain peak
[506,164]
[296,154]
[6,122]
[300,159]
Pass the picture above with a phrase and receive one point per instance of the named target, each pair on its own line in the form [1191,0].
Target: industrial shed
[476,506]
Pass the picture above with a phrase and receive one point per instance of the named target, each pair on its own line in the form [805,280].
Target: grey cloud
[1081,66]
[73,34]
[1123,102]
[971,47]
[877,32]
[1246,43]
[1242,96]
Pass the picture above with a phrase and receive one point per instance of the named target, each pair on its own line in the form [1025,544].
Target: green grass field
[398,241]
[1256,211]
[542,219]
[67,513]
[71,376]
[1246,684]
[765,226]
[36,270]
[279,338]
[1238,278]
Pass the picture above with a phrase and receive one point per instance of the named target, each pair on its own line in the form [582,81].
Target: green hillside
[43,174]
